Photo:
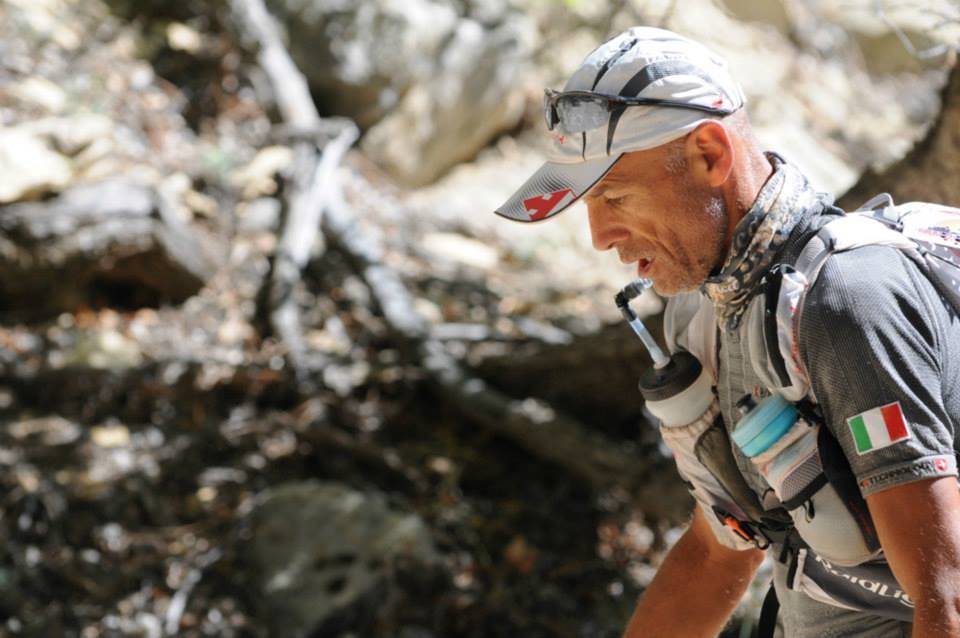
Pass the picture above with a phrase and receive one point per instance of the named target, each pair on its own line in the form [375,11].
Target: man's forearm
[695,590]
[919,528]
[936,616]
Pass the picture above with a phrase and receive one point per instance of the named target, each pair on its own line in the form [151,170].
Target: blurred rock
[99,106]
[105,350]
[260,215]
[436,82]
[37,91]
[476,93]
[71,135]
[111,435]
[460,249]
[50,430]
[181,37]
[323,552]
[342,379]
[257,177]
[928,172]
[118,241]
[361,57]
[771,12]
[30,168]
[928,26]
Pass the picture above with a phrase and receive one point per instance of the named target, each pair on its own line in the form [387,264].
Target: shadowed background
[270,366]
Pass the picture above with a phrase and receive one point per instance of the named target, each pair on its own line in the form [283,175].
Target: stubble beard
[705,223]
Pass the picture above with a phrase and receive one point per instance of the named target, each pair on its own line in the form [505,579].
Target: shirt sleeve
[689,324]
[872,335]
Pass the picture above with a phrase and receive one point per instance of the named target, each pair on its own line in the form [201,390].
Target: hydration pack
[929,234]
[854,575]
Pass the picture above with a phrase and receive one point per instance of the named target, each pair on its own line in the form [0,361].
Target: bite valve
[622,299]
[677,389]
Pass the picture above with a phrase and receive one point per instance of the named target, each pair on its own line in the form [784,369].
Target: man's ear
[710,153]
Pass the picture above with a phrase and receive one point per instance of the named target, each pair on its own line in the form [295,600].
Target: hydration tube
[622,299]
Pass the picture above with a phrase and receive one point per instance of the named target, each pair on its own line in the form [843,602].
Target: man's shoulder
[865,298]
[861,284]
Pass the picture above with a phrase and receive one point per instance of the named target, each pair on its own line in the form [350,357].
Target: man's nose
[604,229]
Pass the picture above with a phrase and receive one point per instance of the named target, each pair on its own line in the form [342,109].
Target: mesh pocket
[793,465]
[802,476]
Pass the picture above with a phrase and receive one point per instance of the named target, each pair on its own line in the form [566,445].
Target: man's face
[655,214]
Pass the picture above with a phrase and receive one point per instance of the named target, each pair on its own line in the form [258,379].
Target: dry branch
[310,422]
[289,85]
[532,424]
[117,235]
[312,178]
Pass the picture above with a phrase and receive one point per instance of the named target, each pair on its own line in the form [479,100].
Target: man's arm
[919,528]
[697,587]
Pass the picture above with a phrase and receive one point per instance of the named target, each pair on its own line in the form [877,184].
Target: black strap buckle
[750,532]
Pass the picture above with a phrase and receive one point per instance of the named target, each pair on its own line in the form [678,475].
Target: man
[676,183]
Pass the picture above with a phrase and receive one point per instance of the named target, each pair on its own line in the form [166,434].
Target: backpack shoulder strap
[853,230]
[791,282]
[935,230]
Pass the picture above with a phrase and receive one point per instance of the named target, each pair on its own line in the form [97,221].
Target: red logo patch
[940,464]
[718,102]
[540,206]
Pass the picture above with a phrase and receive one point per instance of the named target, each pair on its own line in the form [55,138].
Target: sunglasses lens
[549,112]
[578,113]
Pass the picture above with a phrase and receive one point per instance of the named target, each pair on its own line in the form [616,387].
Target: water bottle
[677,389]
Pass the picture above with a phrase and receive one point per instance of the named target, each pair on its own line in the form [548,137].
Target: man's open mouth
[643,266]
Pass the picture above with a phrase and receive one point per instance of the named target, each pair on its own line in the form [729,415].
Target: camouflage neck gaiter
[782,202]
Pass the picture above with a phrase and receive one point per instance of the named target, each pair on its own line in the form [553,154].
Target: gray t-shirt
[875,333]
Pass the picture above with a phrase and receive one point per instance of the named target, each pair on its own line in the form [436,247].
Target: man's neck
[751,172]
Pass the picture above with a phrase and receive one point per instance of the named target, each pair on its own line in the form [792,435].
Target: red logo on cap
[940,464]
[540,206]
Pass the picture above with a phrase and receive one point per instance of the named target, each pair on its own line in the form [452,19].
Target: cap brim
[553,188]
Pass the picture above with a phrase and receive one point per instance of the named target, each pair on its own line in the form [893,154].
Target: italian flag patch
[878,428]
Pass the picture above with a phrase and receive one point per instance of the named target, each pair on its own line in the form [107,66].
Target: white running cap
[641,62]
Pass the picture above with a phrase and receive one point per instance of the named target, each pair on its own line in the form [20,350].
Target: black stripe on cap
[626,46]
[615,114]
[647,76]
[659,70]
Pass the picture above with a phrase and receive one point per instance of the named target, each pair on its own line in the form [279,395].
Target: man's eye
[615,201]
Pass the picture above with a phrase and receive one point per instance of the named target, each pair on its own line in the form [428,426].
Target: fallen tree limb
[599,369]
[530,423]
[311,425]
[311,179]
[292,94]
[178,604]
[117,239]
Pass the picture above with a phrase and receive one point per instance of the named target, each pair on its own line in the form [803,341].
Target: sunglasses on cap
[579,111]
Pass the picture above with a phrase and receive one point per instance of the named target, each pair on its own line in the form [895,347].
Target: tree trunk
[929,171]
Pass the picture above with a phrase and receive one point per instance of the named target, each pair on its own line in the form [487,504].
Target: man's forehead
[619,175]
[598,189]
[638,171]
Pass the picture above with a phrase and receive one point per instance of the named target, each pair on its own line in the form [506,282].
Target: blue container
[764,425]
